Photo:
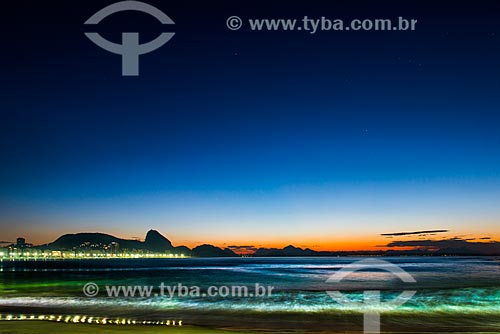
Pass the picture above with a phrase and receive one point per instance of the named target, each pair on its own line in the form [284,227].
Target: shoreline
[43,327]
[214,322]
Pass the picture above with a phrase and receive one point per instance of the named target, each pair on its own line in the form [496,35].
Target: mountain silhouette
[79,240]
[287,251]
[155,242]
[212,251]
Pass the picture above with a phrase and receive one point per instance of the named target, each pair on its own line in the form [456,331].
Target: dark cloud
[452,245]
[429,232]
[247,248]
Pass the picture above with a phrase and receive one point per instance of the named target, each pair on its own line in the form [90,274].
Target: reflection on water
[463,291]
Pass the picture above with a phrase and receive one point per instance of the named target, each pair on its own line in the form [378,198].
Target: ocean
[453,294]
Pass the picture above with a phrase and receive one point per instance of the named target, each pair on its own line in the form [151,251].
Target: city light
[82,319]
[54,254]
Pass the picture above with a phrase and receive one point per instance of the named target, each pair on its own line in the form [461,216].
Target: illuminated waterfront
[58,255]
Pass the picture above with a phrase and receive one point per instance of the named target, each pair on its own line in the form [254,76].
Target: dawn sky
[254,138]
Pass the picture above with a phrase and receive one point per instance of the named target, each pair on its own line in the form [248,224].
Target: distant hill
[287,251]
[212,251]
[291,251]
[78,240]
[182,250]
[154,242]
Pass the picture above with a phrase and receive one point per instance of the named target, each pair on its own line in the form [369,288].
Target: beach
[46,327]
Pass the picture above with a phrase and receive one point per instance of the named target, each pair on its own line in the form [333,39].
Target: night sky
[264,138]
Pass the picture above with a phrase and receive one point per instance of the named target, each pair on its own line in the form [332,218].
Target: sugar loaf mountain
[154,243]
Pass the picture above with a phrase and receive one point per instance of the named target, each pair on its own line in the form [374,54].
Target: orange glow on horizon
[317,243]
